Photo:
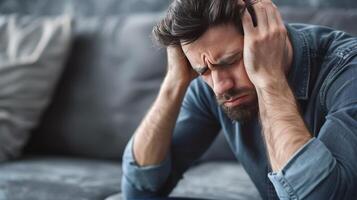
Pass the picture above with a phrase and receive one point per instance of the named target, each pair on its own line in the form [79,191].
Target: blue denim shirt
[324,80]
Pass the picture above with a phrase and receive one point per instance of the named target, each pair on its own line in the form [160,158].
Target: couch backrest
[338,18]
[112,76]
[318,3]
[81,8]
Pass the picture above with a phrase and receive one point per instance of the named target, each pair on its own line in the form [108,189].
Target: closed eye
[223,63]
[231,60]
[226,65]
[232,63]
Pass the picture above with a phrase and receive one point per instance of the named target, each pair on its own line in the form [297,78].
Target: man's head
[187,20]
[211,36]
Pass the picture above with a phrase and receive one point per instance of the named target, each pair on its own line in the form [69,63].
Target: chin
[242,114]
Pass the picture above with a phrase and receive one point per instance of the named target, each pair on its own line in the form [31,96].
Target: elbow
[341,183]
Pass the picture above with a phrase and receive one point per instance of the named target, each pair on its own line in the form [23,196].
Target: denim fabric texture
[323,78]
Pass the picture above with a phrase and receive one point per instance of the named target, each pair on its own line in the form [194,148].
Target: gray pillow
[32,54]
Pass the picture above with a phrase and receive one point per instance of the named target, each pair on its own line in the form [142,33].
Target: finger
[278,16]
[272,18]
[278,20]
[262,20]
[273,12]
[247,23]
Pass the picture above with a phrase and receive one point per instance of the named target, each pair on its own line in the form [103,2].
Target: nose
[222,81]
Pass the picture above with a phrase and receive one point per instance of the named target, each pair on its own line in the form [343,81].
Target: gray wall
[319,3]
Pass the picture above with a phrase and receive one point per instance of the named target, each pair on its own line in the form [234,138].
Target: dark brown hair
[187,20]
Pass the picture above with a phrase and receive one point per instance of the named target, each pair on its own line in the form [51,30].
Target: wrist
[277,86]
[176,81]
[173,88]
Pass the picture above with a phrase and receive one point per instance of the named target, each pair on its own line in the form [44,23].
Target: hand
[179,68]
[266,45]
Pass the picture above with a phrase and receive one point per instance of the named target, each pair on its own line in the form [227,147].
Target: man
[284,95]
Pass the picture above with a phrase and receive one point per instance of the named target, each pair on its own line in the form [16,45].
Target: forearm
[152,139]
[283,128]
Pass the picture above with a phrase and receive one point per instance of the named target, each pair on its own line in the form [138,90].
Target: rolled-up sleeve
[195,130]
[142,181]
[294,181]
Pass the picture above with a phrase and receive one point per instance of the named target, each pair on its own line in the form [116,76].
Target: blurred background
[109,7]
[110,75]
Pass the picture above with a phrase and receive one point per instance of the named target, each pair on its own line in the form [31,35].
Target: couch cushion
[32,56]
[53,178]
[214,180]
[43,178]
[217,180]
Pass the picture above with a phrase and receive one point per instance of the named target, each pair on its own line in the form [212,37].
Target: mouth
[236,101]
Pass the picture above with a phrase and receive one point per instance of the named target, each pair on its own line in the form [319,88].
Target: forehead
[215,43]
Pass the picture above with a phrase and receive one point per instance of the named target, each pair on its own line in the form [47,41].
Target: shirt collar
[299,74]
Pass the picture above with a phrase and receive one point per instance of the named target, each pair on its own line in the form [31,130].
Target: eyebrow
[223,61]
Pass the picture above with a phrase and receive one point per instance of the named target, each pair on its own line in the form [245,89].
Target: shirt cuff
[150,177]
[310,165]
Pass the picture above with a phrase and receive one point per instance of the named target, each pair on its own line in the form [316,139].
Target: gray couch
[111,77]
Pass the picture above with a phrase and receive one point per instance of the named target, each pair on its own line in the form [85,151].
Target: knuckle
[259,39]
[282,30]
[274,10]
[255,43]
[265,36]
[278,31]
[259,6]
[267,3]
[275,32]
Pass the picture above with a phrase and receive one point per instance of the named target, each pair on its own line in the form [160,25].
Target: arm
[325,167]
[162,147]
[153,137]
[283,128]
[146,160]
[303,167]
